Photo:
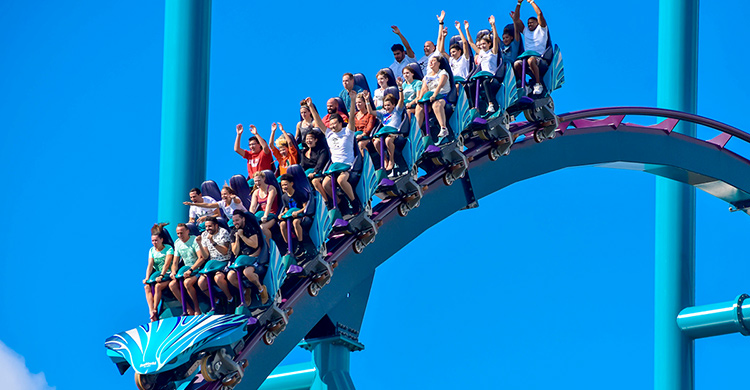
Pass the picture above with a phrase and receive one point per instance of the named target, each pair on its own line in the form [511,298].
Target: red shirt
[258,162]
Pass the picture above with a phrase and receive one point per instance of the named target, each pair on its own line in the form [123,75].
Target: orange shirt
[292,157]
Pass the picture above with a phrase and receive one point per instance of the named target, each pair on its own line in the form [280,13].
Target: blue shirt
[509,53]
[344,95]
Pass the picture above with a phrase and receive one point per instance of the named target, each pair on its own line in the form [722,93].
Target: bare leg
[161,286]
[343,181]
[232,277]
[203,284]
[391,145]
[282,227]
[327,186]
[438,107]
[419,113]
[297,224]
[150,301]
[534,65]
[518,68]
[190,287]
[318,184]
[221,281]
[266,227]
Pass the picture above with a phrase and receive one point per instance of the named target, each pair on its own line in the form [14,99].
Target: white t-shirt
[197,212]
[487,61]
[460,67]
[377,98]
[341,145]
[398,67]
[433,80]
[535,40]
[229,208]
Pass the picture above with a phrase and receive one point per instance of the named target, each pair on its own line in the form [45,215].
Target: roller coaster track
[582,140]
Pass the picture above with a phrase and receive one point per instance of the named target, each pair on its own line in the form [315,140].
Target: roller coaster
[238,348]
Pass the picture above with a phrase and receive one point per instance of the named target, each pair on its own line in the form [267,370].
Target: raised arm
[441,34]
[399,83]
[542,21]
[495,37]
[261,141]
[352,126]
[468,37]
[237,147]
[409,51]
[516,15]
[367,103]
[464,41]
[272,146]
[315,115]
[516,32]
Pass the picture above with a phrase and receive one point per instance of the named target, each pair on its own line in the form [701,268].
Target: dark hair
[457,47]
[229,189]
[391,98]
[286,177]
[253,138]
[348,74]
[239,212]
[211,219]
[196,190]
[182,225]
[397,47]
[336,116]
[533,17]
[158,229]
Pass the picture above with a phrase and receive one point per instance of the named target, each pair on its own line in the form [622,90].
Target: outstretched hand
[530,1]
[308,101]
[399,82]
[441,17]
[352,94]
[466,24]
[396,30]
[281,127]
[253,129]
[444,32]
[239,129]
[458,25]
[492,20]
[273,126]
[367,94]
[513,15]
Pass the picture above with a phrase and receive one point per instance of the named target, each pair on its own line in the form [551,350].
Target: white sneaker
[538,89]
[491,108]
[443,132]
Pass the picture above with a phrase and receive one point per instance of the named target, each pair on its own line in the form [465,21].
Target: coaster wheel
[144,382]
[494,154]
[403,209]
[448,179]
[206,370]
[358,246]
[313,289]
[269,337]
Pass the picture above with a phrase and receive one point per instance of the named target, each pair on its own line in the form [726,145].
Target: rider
[265,201]
[487,48]
[157,272]
[188,252]
[246,243]
[535,39]
[297,200]
[214,245]
[341,143]
[283,149]
[259,157]
[436,81]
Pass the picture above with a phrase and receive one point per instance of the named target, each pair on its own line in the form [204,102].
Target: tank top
[263,201]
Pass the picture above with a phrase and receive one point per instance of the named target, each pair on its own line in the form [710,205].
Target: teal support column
[182,155]
[675,202]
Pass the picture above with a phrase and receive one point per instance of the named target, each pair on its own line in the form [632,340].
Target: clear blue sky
[80,103]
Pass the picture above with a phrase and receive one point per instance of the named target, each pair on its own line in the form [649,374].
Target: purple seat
[210,188]
[240,187]
[391,77]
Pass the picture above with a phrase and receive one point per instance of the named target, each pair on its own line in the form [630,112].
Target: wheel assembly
[269,337]
[358,246]
[206,370]
[143,382]
[494,154]
[539,136]
[403,209]
[313,289]
[460,141]
[448,178]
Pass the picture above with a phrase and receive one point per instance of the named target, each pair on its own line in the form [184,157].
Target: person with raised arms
[283,149]
[228,203]
[487,48]
[535,39]
[341,143]
[437,83]
[401,56]
[259,157]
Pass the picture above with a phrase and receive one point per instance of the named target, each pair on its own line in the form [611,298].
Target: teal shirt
[160,256]
[411,90]
[187,251]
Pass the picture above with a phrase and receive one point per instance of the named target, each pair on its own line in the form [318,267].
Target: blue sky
[80,107]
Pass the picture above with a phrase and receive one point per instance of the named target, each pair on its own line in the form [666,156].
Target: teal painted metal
[674,361]
[300,376]
[716,319]
[182,156]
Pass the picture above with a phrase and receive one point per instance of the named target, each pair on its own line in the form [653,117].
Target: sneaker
[263,294]
[443,132]
[491,108]
[538,89]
